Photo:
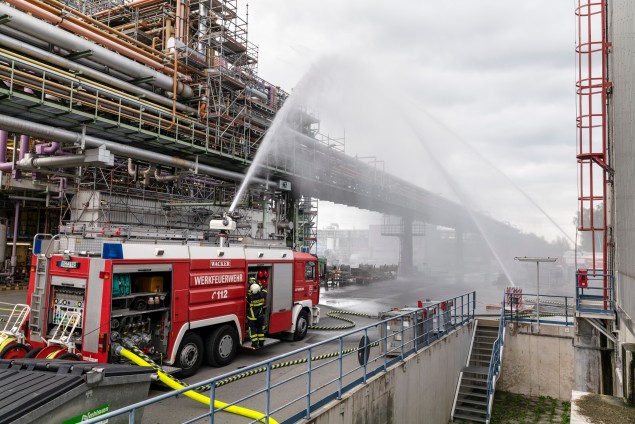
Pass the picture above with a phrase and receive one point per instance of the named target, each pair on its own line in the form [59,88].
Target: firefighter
[256,299]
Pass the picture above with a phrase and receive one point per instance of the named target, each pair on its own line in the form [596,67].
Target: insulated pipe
[39,29]
[163,178]
[77,26]
[64,136]
[90,24]
[132,169]
[43,45]
[54,59]
[52,162]
[256,93]
[24,147]
[147,175]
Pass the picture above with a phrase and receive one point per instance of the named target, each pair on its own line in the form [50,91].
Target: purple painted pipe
[4,138]
[4,165]
[44,149]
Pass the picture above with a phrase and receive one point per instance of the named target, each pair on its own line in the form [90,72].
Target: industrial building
[140,120]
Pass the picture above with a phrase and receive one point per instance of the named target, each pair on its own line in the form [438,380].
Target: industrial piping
[43,45]
[46,132]
[93,34]
[54,59]
[40,29]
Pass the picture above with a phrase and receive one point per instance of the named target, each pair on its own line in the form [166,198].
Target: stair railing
[495,362]
[467,364]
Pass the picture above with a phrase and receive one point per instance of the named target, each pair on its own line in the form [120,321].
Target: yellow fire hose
[165,379]
[4,342]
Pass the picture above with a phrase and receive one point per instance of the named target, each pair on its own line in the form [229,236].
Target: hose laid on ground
[335,314]
[287,364]
[168,381]
[245,374]
[332,314]
[158,368]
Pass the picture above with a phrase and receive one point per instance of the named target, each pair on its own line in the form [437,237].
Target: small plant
[553,404]
[566,413]
[511,408]
[539,408]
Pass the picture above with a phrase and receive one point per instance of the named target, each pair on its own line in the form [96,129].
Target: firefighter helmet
[266,274]
[252,280]
[261,274]
[254,288]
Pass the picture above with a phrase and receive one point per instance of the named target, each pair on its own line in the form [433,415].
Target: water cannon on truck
[180,304]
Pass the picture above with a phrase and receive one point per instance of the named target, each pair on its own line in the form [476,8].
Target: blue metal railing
[594,292]
[495,362]
[556,310]
[329,376]
[554,306]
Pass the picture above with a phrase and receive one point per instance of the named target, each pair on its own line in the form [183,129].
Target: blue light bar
[112,251]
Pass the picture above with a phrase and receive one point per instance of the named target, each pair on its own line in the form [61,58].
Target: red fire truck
[179,303]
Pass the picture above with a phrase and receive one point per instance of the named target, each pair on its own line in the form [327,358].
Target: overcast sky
[488,82]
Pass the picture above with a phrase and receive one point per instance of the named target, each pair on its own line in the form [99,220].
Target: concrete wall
[538,364]
[421,389]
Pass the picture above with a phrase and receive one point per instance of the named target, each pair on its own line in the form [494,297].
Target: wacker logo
[204,280]
[220,264]
[90,414]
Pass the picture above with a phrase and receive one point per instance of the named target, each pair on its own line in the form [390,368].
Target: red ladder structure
[593,87]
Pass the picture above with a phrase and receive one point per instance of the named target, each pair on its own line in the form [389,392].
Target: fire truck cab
[181,304]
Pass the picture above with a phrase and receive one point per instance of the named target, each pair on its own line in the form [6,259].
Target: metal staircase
[471,399]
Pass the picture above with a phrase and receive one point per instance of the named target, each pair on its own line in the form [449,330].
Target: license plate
[68,264]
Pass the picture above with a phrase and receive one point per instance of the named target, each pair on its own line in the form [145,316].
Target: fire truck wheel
[221,345]
[190,355]
[301,325]
[33,352]
[69,357]
[14,351]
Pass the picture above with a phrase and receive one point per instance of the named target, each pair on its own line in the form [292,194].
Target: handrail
[467,363]
[495,362]
[426,325]
[562,307]
[588,283]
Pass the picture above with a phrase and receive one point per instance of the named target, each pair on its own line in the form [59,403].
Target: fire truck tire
[69,357]
[14,351]
[301,325]
[33,352]
[221,346]
[190,355]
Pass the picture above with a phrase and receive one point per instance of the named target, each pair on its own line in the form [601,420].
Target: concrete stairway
[471,401]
